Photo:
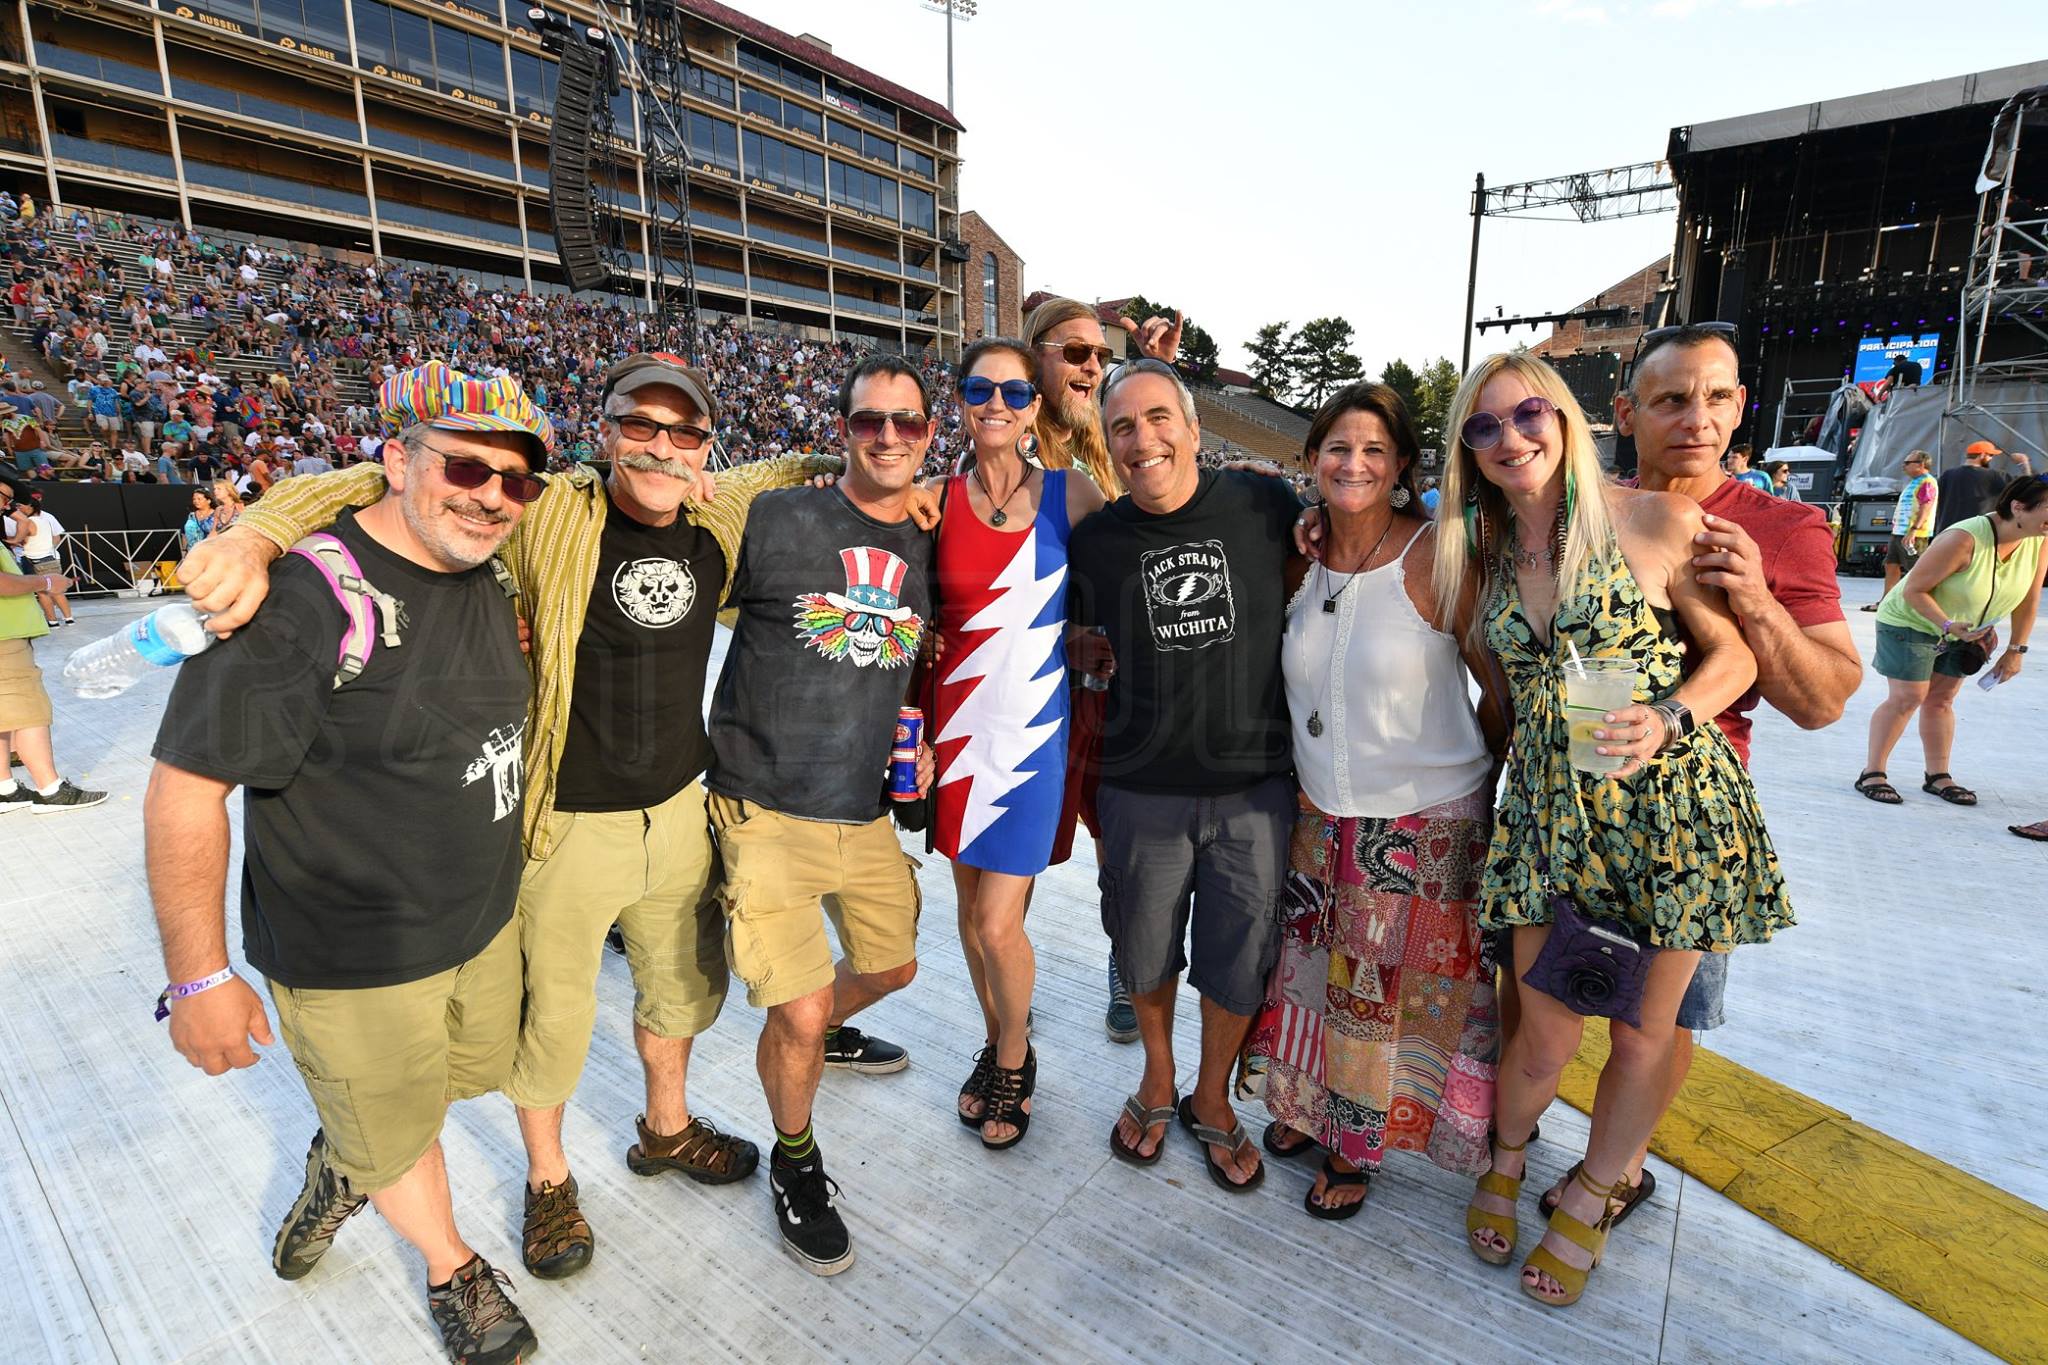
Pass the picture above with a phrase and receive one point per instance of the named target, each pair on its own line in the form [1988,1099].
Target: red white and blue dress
[1000,717]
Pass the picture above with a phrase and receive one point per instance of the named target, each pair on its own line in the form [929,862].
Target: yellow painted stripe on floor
[1964,1252]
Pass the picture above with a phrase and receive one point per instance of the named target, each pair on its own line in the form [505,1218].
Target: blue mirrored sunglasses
[978,389]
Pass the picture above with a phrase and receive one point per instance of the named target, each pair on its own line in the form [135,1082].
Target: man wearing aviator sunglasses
[620,578]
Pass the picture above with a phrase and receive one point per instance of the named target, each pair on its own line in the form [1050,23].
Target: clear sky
[1252,162]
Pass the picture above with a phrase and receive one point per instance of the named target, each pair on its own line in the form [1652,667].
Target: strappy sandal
[1508,1187]
[1334,1179]
[1274,1130]
[1955,793]
[1572,1279]
[977,1087]
[1233,1139]
[1145,1119]
[1880,791]
[1638,1194]
[1008,1088]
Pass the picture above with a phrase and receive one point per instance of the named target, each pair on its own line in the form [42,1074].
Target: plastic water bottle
[108,667]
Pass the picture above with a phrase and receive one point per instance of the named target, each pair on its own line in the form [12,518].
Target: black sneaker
[1120,1020]
[321,1208]
[812,1230]
[479,1324]
[66,797]
[23,797]
[852,1050]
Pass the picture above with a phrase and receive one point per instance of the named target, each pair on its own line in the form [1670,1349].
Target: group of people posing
[1263,713]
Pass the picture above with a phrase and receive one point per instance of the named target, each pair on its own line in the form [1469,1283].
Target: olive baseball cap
[643,369]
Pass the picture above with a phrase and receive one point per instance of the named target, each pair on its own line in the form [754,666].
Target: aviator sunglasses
[978,389]
[1076,353]
[1532,417]
[466,471]
[867,425]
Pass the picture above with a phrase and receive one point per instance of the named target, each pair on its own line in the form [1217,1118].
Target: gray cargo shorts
[1210,868]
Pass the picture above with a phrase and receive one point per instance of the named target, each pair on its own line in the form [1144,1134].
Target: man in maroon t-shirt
[1774,558]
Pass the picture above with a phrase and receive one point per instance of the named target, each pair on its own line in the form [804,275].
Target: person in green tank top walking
[1939,626]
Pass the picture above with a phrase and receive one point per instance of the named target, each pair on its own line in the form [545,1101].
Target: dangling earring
[1398,498]
[1474,527]
[1027,445]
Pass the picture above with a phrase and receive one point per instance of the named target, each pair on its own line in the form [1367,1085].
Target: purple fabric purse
[1594,968]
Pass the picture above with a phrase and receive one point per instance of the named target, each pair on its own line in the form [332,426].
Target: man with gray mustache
[620,579]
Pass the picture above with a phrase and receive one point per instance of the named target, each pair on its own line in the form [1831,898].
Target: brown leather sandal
[700,1151]
[556,1241]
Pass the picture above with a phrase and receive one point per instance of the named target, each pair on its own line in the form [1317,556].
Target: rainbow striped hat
[449,400]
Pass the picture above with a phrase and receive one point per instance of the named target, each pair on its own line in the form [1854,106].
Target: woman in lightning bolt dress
[999,722]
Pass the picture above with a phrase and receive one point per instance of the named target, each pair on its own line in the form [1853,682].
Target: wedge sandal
[1508,1187]
[1593,1239]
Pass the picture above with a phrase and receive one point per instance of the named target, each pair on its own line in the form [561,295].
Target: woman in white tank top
[1379,1030]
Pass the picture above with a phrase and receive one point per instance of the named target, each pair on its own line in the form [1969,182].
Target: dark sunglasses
[867,425]
[1532,417]
[1077,352]
[1657,336]
[978,389]
[466,471]
[680,435]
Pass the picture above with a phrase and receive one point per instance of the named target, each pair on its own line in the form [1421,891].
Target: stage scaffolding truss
[2006,285]
[671,253]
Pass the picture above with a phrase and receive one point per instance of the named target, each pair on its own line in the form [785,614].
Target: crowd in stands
[188,357]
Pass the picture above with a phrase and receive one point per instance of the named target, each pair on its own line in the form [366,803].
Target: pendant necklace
[998,517]
[1315,715]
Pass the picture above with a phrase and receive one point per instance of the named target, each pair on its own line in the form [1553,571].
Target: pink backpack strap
[366,608]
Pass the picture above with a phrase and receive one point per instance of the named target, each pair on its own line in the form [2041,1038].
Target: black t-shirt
[1193,603]
[636,710]
[381,818]
[832,606]
[1964,492]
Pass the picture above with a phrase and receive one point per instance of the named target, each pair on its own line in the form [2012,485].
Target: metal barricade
[122,563]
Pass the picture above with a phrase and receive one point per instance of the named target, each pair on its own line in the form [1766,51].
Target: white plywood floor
[138,1197]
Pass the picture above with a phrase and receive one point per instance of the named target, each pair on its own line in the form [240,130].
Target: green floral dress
[1678,851]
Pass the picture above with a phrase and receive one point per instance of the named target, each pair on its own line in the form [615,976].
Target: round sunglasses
[1532,417]
[976,390]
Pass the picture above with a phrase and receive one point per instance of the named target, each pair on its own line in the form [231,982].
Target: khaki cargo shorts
[24,704]
[777,871]
[384,1063]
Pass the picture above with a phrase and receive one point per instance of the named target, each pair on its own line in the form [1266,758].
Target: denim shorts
[1701,1008]
[1913,655]
[1182,869]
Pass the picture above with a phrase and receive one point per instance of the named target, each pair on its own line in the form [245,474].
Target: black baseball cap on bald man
[643,369]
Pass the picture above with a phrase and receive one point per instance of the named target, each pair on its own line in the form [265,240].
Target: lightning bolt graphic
[1020,669]
[1187,588]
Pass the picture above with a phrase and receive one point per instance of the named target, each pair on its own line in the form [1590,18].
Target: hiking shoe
[479,1325]
[66,797]
[1120,1018]
[812,1230]
[556,1241]
[21,798]
[321,1208]
[852,1050]
[700,1151]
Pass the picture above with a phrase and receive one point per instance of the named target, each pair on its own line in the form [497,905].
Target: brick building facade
[1633,293]
[986,311]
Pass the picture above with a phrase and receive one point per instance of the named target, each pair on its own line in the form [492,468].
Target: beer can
[903,774]
[909,728]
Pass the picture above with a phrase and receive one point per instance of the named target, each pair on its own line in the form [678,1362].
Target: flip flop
[1144,1118]
[2038,831]
[1334,1179]
[1273,1130]
[1640,1194]
[1234,1139]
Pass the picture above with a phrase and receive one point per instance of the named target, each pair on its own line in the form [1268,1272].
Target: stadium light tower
[963,10]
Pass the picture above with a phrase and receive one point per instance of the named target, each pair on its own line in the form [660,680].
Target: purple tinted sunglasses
[1532,417]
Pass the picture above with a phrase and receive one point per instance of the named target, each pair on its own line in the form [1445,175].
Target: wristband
[204,983]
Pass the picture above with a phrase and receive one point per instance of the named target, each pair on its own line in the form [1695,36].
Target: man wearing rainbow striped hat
[375,711]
